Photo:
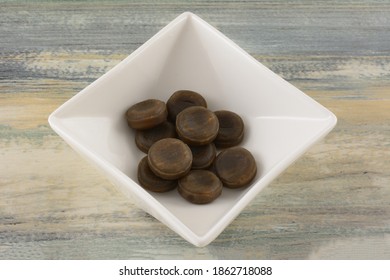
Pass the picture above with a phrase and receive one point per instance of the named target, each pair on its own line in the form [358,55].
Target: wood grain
[334,202]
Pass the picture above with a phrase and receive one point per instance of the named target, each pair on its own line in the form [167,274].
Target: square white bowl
[281,121]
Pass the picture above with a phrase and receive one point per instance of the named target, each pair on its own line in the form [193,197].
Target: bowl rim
[153,206]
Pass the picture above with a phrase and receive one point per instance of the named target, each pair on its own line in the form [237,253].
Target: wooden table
[334,202]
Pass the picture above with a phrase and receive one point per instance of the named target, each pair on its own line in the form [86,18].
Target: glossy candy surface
[146,114]
[200,186]
[203,156]
[231,129]
[181,100]
[197,126]
[144,139]
[170,158]
[236,167]
[149,181]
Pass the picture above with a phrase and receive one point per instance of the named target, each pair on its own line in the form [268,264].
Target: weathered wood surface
[334,202]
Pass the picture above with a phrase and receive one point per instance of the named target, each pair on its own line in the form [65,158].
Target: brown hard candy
[170,158]
[181,100]
[236,167]
[203,156]
[144,139]
[200,186]
[181,138]
[149,181]
[197,126]
[231,129]
[146,114]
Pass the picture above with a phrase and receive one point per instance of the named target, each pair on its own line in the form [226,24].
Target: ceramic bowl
[281,121]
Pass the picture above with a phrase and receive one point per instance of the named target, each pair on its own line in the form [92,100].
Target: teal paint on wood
[332,203]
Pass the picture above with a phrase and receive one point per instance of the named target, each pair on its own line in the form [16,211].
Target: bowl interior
[281,122]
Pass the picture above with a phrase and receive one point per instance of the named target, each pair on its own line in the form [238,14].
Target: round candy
[149,181]
[181,100]
[236,167]
[197,125]
[200,186]
[170,158]
[231,129]
[144,139]
[146,114]
[203,156]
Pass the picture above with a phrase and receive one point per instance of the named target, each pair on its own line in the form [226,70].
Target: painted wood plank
[334,202]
